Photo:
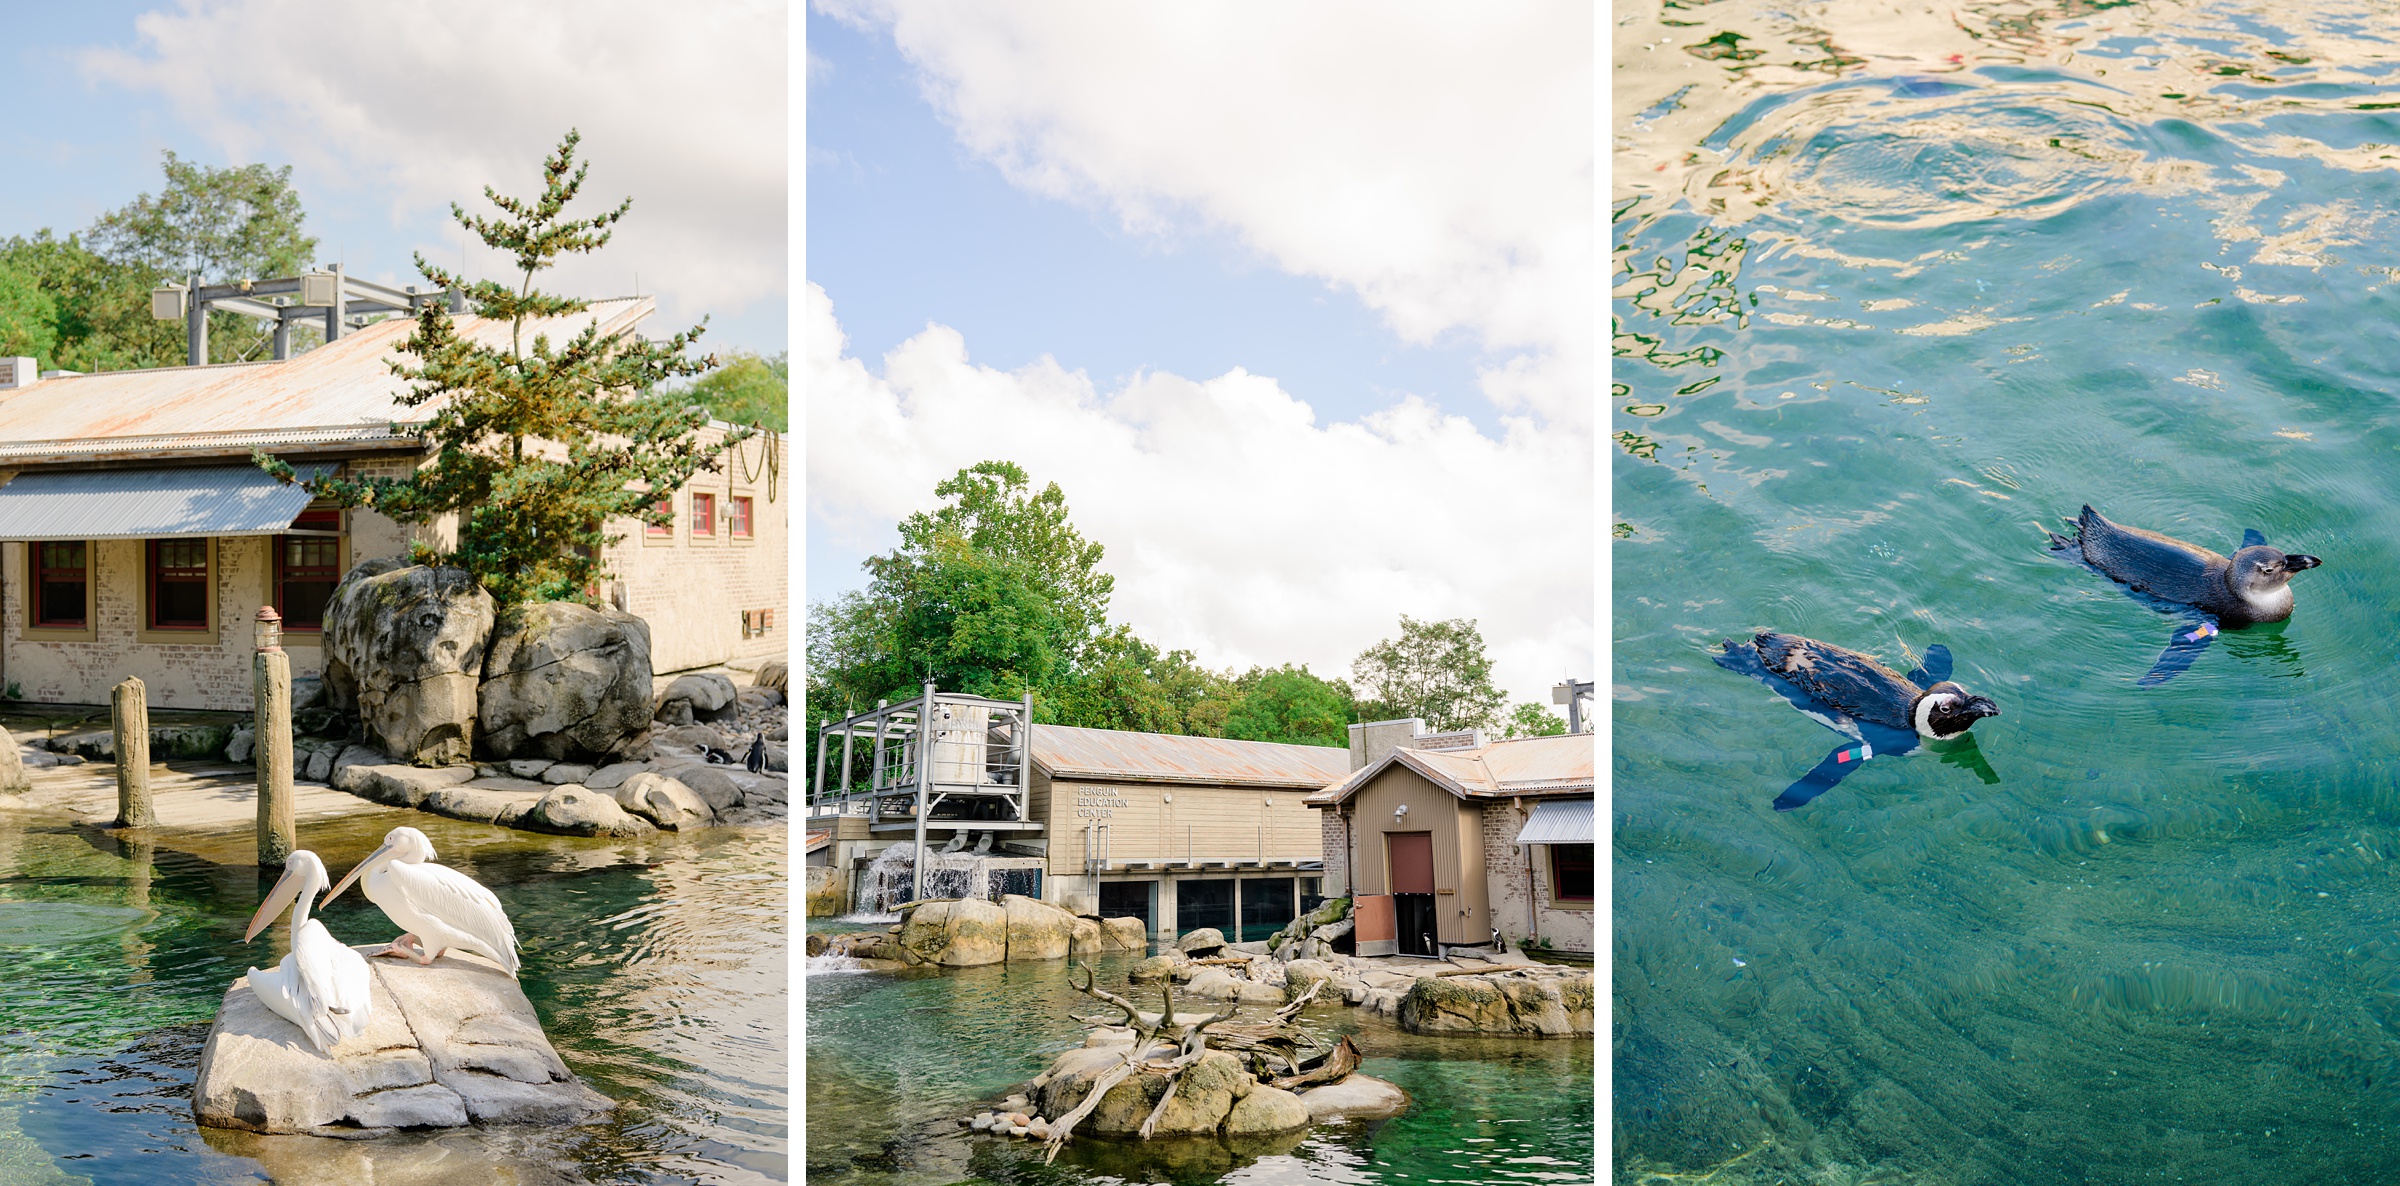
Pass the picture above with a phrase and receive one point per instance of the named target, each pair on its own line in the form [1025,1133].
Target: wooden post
[129,714]
[271,685]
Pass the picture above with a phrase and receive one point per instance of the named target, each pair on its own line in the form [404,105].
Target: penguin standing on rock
[1883,712]
[2228,592]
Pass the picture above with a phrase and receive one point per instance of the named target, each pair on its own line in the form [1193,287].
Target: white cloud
[682,107]
[1434,158]
[1235,524]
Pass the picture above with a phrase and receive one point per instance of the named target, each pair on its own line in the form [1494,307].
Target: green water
[656,966]
[1881,315]
[894,1060]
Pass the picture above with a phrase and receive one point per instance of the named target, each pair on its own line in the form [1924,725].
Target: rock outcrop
[566,682]
[956,933]
[703,696]
[13,779]
[452,1043]
[1502,1005]
[663,801]
[404,652]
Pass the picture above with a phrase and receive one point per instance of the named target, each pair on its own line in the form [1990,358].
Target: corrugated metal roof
[151,503]
[1118,756]
[1558,765]
[1559,821]
[344,385]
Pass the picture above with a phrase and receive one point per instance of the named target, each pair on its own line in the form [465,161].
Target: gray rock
[404,651]
[13,779]
[613,775]
[69,760]
[1202,942]
[581,811]
[717,786]
[675,713]
[35,759]
[527,767]
[512,786]
[567,682]
[1357,1097]
[320,763]
[308,691]
[400,786]
[567,772]
[758,699]
[427,1105]
[664,801]
[710,694]
[773,674]
[480,804]
[1299,974]
[238,750]
[687,740]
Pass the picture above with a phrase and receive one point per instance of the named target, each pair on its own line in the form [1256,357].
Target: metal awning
[1559,821]
[151,503]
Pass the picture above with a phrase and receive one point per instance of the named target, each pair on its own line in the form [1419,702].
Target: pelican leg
[408,945]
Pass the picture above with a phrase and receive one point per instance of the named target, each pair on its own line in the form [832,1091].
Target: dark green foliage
[1288,704]
[1533,720]
[537,444]
[1434,670]
[1125,683]
[220,224]
[748,389]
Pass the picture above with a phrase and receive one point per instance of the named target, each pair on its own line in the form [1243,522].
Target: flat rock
[562,773]
[664,802]
[1358,1097]
[581,811]
[398,785]
[613,775]
[480,804]
[527,767]
[511,785]
[708,693]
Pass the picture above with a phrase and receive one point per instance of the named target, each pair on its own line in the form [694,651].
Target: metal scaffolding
[941,760]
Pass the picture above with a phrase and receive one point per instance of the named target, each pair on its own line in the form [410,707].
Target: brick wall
[1518,907]
[694,589]
[1336,833]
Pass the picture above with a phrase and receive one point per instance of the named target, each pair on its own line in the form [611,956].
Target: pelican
[438,906]
[321,985]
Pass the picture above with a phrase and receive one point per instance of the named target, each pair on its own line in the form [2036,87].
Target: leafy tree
[28,315]
[536,445]
[223,225]
[1291,705]
[748,389]
[1434,670]
[1126,683]
[1533,720]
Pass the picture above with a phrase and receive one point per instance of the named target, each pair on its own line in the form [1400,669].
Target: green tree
[748,389]
[1434,670]
[1533,720]
[224,225]
[536,445]
[1291,705]
[28,315]
[1123,682]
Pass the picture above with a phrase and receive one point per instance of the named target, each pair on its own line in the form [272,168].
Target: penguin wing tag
[1934,669]
[2252,538]
[2181,652]
[1823,777]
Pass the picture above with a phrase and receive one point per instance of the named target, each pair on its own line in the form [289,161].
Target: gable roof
[1560,765]
[1115,755]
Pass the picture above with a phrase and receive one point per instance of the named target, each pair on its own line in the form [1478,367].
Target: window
[60,585]
[1571,872]
[704,514]
[178,584]
[306,569]
[666,530]
[737,516]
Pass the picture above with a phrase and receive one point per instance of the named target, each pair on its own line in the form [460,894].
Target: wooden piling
[129,719]
[271,686]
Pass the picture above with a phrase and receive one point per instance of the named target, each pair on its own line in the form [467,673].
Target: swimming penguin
[2251,586]
[1884,712]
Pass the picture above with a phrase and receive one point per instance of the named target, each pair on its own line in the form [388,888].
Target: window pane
[737,515]
[303,605]
[665,506]
[704,514]
[1266,908]
[61,603]
[1206,903]
[59,597]
[1571,867]
[181,605]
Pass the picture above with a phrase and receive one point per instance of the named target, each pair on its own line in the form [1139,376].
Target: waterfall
[949,875]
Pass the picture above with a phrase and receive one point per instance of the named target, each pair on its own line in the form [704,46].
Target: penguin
[756,760]
[1883,712]
[2228,592]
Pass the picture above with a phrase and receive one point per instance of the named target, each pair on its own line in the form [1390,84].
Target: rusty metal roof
[1114,755]
[1533,766]
[342,393]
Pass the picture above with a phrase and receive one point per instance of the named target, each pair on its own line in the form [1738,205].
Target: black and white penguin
[2230,592]
[1882,711]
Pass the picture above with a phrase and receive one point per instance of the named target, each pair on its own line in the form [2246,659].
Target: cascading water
[891,877]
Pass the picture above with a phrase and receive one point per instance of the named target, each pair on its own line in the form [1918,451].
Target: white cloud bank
[1433,158]
[682,107]
[1235,524]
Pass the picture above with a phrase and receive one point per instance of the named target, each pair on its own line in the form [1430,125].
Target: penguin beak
[2300,563]
[1981,707]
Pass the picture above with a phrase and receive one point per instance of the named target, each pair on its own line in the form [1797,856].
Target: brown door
[1412,861]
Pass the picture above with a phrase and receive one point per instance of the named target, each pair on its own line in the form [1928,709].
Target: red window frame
[664,530]
[704,514]
[737,516]
[324,561]
[1562,862]
[49,568]
[181,560]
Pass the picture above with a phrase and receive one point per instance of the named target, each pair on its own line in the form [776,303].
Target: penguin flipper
[1934,669]
[2181,652]
[2252,538]
[1825,775]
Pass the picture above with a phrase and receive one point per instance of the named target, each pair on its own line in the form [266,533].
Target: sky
[387,114]
[1297,306]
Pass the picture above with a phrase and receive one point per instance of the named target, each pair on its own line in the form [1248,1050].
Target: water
[657,966]
[1893,293]
[894,1061]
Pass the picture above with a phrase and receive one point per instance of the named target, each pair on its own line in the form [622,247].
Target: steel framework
[940,760]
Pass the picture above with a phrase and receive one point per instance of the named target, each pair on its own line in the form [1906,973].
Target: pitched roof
[1114,755]
[1533,766]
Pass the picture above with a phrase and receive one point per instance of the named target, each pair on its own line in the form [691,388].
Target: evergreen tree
[537,445]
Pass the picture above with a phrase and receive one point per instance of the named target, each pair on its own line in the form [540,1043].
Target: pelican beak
[356,871]
[286,888]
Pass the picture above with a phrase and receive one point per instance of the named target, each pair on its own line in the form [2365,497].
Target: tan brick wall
[693,589]
[1520,883]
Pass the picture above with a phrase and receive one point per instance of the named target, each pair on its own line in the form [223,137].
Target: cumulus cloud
[1433,158]
[682,107]
[1236,525]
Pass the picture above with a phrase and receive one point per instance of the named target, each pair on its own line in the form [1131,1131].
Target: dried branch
[1064,1125]
[1334,1069]
[1091,988]
[1290,1011]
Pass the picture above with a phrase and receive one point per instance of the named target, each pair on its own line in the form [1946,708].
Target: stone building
[1443,839]
[138,538]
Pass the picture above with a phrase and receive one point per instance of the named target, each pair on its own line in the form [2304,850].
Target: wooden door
[1412,861]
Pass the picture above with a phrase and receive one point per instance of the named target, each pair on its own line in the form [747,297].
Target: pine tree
[536,446]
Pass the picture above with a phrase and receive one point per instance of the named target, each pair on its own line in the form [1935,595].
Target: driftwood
[1221,960]
[1194,1043]
[1334,1069]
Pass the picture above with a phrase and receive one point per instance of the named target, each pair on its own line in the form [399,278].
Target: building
[1182,832]
[137,537]
[1443,839]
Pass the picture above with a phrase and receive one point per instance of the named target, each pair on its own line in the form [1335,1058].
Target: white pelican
[438,906]
[321,986]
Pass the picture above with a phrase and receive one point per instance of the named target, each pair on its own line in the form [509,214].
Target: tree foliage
[1533,720]
[748,389]
[222,225]
[1291,705]
[1434,670]
[537,444]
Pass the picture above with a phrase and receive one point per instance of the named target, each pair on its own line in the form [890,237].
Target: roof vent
[1462,739]
[18,372]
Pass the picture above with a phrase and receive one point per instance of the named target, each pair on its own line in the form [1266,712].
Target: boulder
[750,701]
[1087,937]
[1204,942]
[1154,970]
[1496,1006]
[1128,934]
[688,740]
[450,1043]
[827,895]
[613,775]
[956,932]
[1037,930]
[773,674]
[566,682]
[1215,984]
[581,811]
[563,773]
[404,652]
[319,765]
[1357,1097]
[13,779]
[663,801]
[706,696]
[718,786]
[1266,1111]
[398,785]
[244,741]
[527,767]
[1299,974]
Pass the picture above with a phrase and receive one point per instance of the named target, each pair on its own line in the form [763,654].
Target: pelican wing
[459,902]
[334,982]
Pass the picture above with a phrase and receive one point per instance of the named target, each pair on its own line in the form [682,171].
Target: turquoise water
[1891,296]
[895,1060]
[657,968]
